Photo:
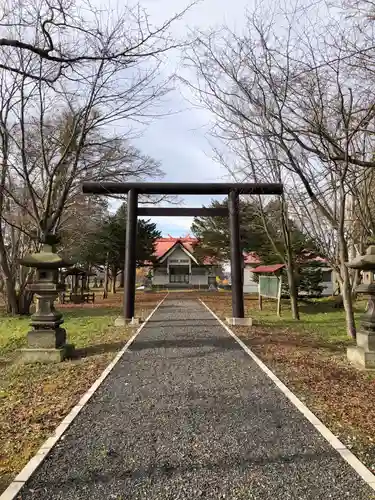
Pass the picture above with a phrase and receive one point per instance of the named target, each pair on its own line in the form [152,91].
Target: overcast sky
[179,141]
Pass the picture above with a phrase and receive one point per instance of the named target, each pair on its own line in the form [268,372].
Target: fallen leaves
[35,398]
[312,363]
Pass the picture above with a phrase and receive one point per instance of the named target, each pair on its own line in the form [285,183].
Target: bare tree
[79,129]
[12,240]
[259,89]
[69,35]
[265,167]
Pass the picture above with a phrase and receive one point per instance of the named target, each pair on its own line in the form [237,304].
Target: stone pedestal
[132,322]
[363,354]
[38,355]
[46,342]
[239,321]
[46,338]
[361,358]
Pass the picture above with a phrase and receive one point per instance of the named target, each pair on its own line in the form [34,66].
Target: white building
[176,265]
[252,261]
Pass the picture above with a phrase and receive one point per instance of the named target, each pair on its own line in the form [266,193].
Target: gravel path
[186,415]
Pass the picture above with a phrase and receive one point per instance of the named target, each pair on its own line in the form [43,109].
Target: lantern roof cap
[364,262]
[45,259]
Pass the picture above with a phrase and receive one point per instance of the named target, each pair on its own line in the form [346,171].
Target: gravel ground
[186,414]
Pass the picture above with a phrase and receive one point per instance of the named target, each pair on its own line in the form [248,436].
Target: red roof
[162,245]
[251,258]
[306,257]
[268,269]
[319,259]
[210,261]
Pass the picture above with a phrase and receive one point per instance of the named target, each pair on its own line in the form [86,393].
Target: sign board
[270,287]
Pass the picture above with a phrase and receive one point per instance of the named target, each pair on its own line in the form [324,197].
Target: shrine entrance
[134,189]
[179,274]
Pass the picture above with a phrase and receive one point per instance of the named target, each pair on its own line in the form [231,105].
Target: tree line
[263,233]
[103,248]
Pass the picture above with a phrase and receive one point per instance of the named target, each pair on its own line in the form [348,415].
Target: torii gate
[133,189]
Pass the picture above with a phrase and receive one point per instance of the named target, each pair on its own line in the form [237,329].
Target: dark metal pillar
[235,256]
[130,254]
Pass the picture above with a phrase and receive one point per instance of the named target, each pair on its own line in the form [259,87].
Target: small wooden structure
[80,287]
[270,283]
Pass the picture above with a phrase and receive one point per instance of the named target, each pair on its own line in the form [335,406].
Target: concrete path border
[346,454]
[15,486]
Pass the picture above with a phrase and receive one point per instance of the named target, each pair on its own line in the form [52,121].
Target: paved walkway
[186,414]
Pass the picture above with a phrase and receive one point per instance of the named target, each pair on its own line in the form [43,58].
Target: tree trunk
[293,291]
[106,274]
[356,282]
[344,277]
[11,297]
[19,303]
[348,306]
[346,290]
[10,291]
[122,279]
[113,284]
[25,300]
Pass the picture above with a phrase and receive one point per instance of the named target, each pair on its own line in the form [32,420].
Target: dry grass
[35,398]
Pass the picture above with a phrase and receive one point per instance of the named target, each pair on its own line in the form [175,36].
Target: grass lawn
[309,356]
[35,398]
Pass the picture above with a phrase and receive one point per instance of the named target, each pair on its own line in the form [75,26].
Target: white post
[279,297]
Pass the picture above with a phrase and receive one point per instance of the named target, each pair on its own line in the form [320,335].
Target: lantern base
[43,355]
[51,338]
[239,321]
[132,322]
[361,358]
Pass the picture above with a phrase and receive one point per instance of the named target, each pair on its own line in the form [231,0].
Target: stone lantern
[46,342]
[363,354]
[148,282]
[212,284]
